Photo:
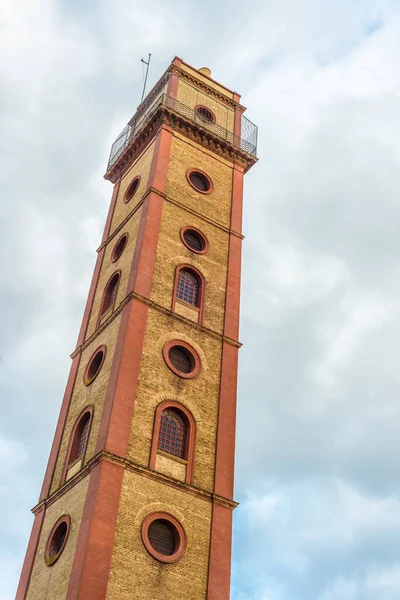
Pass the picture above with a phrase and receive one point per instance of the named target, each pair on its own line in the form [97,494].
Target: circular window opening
[94,365]
[131,191]
[200,181]
[205,114]
[163,537]
[119,247]
[182,359]
[57,540]
[194,240]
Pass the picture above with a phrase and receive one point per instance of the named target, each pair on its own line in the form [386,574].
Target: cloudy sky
[319,410]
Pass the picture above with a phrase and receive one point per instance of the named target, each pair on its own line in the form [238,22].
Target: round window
[132,189]
[119,247]
[182,359]
[94,366]
[57,540]
[164,537]
[194,240]
[205,114]
[200,181]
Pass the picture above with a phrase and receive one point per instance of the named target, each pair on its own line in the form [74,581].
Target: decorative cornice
[166,115]
[207,88]
[176,203]
[130,465]
[162,309]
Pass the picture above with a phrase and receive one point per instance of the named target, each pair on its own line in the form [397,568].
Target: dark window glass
[130,192]
[205,114]
[187,288]
[58,539]
[80,438]
[194,240]
[110,293]
[119,247]
[95,365]
[199,181]
[172,434]
[162,536]
[181,359]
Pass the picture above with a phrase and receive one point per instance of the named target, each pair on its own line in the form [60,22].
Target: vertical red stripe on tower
[104,492]
[221,526]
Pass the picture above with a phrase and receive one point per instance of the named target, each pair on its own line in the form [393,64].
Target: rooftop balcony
[246,143]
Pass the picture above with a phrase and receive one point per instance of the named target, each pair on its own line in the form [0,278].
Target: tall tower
[137,497]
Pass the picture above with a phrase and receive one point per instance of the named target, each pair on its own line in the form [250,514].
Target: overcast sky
[318,448]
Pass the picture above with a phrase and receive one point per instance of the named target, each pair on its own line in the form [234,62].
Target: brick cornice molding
[130,465]
[159,308]
[166,117]
[176,203]
[209,90]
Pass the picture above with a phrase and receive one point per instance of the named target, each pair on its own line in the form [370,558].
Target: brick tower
[137,498]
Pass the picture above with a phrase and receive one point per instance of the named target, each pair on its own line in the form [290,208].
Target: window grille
[187,288]
[172,434]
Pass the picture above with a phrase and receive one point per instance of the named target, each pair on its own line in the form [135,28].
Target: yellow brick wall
[134,573]
[123,264]
[212,84]
[187,155]
[171,252]
[158,383]
[51,582]
[84,395]
[142,168]
[191,96]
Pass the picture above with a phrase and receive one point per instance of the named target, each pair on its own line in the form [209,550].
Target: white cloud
[318,405]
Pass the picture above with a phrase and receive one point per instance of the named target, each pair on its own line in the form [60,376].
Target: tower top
[191,102]
[205,71]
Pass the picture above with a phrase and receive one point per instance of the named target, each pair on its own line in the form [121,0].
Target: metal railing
[247,141]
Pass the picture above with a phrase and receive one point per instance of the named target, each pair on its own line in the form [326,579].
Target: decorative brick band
[166,311]
[130,465]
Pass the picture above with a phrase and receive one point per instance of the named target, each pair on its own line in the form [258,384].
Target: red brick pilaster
[30,555]
[92,560]
[97,532]
[221,526]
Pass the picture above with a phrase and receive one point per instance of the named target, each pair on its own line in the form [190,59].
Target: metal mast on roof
[147,72]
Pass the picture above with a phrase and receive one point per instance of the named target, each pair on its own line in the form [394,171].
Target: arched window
[80,439]
[77,444]
[187,288]
[172,434]
[110,294]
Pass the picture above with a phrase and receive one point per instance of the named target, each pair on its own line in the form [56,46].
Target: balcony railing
[247,141]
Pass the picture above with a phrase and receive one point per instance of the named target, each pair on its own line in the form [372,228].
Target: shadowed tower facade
[137,498]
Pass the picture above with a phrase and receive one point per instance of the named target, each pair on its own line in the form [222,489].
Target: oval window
[163,537]
[182,359]
[200,182]
[132,189]
[205,114]
[119,247]
[194,240]
[57,540]
[94,366]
